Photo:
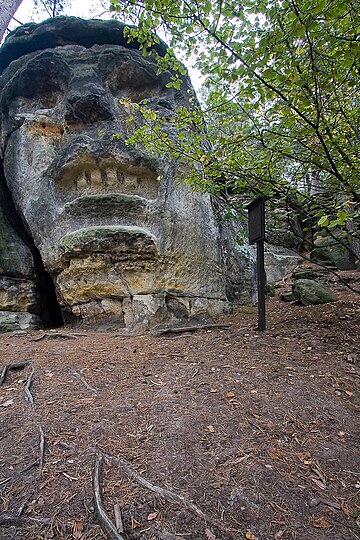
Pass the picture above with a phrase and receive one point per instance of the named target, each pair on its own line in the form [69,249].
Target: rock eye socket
[42,83]
[126,74]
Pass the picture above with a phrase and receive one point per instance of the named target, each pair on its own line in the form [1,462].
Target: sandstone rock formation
[122,240]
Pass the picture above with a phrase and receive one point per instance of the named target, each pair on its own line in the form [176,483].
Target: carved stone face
[120,236]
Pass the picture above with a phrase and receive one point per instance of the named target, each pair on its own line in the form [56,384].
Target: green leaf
[323,221]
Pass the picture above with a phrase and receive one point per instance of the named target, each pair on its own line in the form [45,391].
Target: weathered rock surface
[316,274]
[279,262]
[12,321]
[123,240]
[309,292]
[287,296]
[18,291]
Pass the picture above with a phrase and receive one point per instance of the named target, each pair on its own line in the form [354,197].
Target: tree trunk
[7,11]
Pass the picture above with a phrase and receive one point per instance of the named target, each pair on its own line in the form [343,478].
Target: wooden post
[256,222]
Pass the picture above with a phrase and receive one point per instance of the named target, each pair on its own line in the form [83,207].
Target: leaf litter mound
[214,434]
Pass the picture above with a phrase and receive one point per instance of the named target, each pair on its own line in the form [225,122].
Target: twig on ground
[5,481]
[22,507]
[181,329]
[13,367]
[11,520]
[105,522]
[32,464]
[83,380]
[42,447]
[118,519]
[86,350]
[28,394]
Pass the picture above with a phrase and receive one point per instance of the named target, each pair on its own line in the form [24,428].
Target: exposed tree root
[172,497]
[181,329]
[166,494]
[13,367]
[28,394]
[105,522]
[58,335]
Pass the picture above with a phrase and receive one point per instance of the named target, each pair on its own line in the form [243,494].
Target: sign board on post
[256,222]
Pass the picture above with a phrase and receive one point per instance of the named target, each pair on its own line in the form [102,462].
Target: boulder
[11,321]
[287,296]
[309,292]
[333,253]
[279,262]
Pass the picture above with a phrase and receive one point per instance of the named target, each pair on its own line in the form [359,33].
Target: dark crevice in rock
[49,309]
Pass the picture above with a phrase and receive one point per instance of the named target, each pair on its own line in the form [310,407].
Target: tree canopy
[280,100]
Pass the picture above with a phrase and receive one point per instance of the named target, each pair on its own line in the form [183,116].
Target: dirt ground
[254,434]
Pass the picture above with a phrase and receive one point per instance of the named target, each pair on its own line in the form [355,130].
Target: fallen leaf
[279,535]
[152,516]
[321,523]
[230,394]
[211,429]
[213,390]
[275,453]
[209,535]
[77,529]
[249,535]
[7,403]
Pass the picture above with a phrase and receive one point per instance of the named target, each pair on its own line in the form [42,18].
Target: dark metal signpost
[256,221]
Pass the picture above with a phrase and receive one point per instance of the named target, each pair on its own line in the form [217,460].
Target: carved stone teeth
[130,182]
[96,179]
[82,181]
[112,177]
[101,180]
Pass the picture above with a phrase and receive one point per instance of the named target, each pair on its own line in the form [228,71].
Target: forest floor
[253,435]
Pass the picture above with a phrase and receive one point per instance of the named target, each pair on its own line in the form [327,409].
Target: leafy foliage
[280,101]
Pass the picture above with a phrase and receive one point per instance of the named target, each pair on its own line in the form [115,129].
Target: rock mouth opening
[85,173]
[48,308]
[92,181]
